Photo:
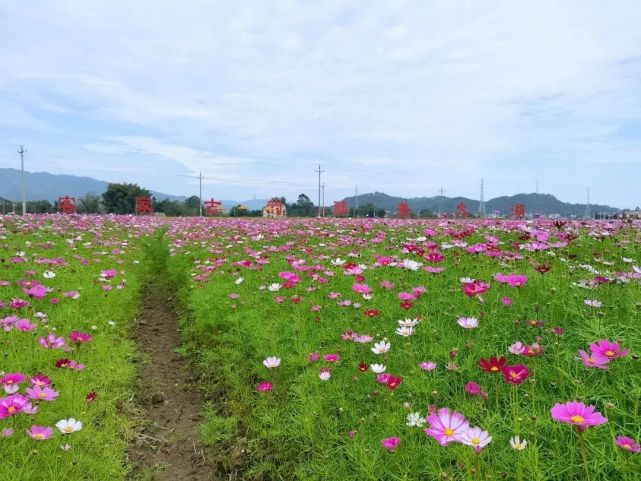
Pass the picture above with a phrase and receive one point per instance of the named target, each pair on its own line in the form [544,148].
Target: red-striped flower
[494,364]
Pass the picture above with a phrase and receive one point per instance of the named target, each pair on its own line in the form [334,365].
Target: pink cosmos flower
[264,386]
[506,301]
[52,341]
[391,443]
[514,280]
[627,444]
[578,414]
[40,380]
[427,365]
[313,357]
[361,289]
[594,360]
[325,374]
[332,357]
[406,296]
[609,349]
[516,374]
[473,389]
[12,405]
[6,433]
[41,393]
[79,337]
[468,322]
[24,325]
[11,382]
[517,348]
[475,288]
[40,433]
[446,426]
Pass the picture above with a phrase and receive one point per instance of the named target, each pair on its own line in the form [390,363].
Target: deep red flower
[371,312]
[393,382]
[406,304]
[494,364]
[362,367]
[91,397]
[63,362]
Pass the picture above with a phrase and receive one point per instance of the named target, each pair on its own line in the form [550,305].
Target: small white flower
[274,287]
[325,374]
[239,280]
[408,322]
[338,262]
[411,265]
[68,426]
[415,419]
[48,274]
[466,280]
[381,347]
[517,444]
[593,303]
[271,362]
[378,368]
[627,260]
[405,331]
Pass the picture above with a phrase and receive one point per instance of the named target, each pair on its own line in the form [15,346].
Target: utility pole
[200,194]
[323,188]
[319,189]
[24,198]
[440,203]
[356,202]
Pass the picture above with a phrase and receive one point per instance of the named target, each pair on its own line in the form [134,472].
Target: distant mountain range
[46,186]
[535,203]
[42,185]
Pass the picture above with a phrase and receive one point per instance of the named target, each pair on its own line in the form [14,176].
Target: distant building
[274,209]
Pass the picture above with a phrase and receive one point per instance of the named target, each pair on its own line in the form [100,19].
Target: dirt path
[168,447]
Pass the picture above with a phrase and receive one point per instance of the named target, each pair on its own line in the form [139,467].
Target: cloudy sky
[402,97]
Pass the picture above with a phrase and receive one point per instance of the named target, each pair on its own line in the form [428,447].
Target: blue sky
[402,97]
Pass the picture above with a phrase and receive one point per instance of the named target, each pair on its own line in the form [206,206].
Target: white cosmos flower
[381,347]
[274,287]
[239,280]
[411,265]
[271,362]
[338,261]
[378,368]
[466,280]
[415,419]
[68,426]
[408,322]
[48,274]
[517,444]
[593,303]
[468,322]
[405,331]
[325,374]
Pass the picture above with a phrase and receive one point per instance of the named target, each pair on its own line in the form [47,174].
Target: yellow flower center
[39,436]
[9,381]
[514,375]
[626,446]
[577,419]
[494,368]
[449,432]
[11,409]
[475,441]
[609,353]
[42,395]
[68,428]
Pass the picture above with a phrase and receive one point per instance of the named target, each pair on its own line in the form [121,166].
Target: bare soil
[167,445]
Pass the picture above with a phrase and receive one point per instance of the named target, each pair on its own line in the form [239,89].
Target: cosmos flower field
[333,349]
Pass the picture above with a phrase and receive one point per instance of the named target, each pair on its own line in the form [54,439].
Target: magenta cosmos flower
[606,348]
[516,374]
[475,288]
[446,426]
[41,393]
[515,280]
[391,443]
[627,444]
[578,414]
[264,386]
[594,360]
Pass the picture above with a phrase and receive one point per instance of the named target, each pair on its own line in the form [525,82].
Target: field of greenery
[69,290]
[350,349]
[396,350]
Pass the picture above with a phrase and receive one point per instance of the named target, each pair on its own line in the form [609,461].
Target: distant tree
[121,198]
[193,202]
[40,207]
[89,204]
[238,211]
[173,208]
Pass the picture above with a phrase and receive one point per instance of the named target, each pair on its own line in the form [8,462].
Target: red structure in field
[213,207]
[67,205]
[404,210]
[518,211]
[143,205]
[340,208]
[274,209]
[461,210]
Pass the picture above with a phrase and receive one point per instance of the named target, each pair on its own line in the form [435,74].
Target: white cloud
[401,97]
